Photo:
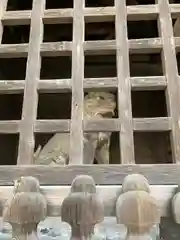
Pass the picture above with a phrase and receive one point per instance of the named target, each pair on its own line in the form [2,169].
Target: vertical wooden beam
[26,144]
[76,134]
[124,85]
[171,73]
[3,6]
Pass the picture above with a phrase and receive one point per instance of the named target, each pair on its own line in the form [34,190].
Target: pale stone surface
[54,229]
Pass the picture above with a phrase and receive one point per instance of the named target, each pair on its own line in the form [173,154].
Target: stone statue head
[99,104]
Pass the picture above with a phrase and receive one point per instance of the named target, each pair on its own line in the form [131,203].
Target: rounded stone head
[82,211]
[138,211]
[26,209]
[26,184]
[135,182]
[83,183]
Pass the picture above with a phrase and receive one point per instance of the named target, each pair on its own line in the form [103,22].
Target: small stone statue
[137,182]
[175,207]
[82,211]
[139,212]
[26,209]
[97,105]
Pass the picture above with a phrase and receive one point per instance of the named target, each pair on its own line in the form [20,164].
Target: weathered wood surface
[26,145]
[135,12]
[103,174]
[76,133]
[171,72]
[124,85]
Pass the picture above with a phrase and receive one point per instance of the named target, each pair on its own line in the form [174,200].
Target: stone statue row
[82,209]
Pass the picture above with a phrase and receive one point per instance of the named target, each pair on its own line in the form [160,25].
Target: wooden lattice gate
[125,124]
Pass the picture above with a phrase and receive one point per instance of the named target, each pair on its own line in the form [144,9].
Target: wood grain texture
[152,124]
[157,174]
[171,72]
[9,127]
[106,125]
[76,133]
[109,194]
[14,86]
[11,18]
[27,142]
[147,45]
[52,16]
[124,85]
[3,5]
[93,84]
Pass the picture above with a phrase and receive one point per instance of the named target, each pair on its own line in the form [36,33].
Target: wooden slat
[146,45]
[9,127]
[108,194]
[103,174]
[99,14]
[16,18]
[13,86]
[3,5]
[56,49]
[13,50]
[124,85]
[100,83]
[52,126]
[27,142]
[142,12]
[135,12]
[76,134]
[64,85]
[54,16]
[54,85]
[171,72]
[148,83]
[106,125]
[149,45]
[152,124]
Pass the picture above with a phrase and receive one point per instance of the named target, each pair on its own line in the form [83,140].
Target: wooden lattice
[125,124]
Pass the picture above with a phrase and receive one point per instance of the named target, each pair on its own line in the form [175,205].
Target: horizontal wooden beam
[149,45]
[142,12]
[13,50]
[103,174]
[11,86]
[148,83]
[16,18]
[56,49]
[98,84]
[108,194]
[55,16]
[152,124]
[9,127]
[106,125]
[52,126]
[99,14]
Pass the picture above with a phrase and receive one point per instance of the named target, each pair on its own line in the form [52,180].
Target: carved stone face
[99,104]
